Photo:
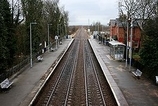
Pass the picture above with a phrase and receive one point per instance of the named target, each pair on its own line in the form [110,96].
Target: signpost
[56,38]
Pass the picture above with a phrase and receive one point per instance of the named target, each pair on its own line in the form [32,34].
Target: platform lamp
[59,32]
[32,23]
[48,36]
[127,46]
[131,37]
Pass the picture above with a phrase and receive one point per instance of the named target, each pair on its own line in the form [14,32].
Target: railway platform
[29,81]
[136,92]
[126,88]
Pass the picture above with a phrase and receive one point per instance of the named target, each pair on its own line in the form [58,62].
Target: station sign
[56,37]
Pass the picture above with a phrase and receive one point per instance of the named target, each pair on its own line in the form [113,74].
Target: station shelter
[117,50]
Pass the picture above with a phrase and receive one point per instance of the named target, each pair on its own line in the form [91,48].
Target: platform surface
[142,92]
[137,92]
[28,82]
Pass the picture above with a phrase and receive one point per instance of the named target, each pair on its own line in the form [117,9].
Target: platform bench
[60,43]
[52,49]
[156,79]
[39,58]
[137,73]
[6,84]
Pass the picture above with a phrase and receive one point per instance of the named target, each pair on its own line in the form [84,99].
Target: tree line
[146,12]
[15,19]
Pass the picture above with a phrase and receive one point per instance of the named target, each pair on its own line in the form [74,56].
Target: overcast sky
[84,12]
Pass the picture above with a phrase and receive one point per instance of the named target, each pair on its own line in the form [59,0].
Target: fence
[22,65]
[8,73]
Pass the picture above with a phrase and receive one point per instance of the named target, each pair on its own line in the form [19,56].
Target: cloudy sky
[84,12]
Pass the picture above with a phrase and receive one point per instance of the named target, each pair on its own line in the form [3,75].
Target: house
[118,31]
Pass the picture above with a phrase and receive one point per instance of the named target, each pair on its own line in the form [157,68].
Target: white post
[56,38]
[56,44]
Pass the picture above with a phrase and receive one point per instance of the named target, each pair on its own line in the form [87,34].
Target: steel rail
[90,61]
[57,82]
[71,78]
[102,95]
[85,74]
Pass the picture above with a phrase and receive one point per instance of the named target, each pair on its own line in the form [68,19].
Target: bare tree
[56,16]
[139,9]
[17,15]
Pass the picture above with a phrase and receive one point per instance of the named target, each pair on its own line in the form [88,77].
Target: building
[118,31]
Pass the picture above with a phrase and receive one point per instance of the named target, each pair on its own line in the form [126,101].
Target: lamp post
[65,29]
[31,42]
[127,38]
[58,29]
[88,28]
[102,36]
[131,36]
[48,36]
[98,31]
[59,32]
[127,44]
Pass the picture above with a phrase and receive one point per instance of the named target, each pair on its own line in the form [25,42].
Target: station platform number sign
[56,37]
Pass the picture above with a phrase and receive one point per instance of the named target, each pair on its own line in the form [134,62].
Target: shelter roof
[116,43]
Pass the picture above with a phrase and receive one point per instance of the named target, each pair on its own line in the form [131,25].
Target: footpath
[137,92]
[28,82]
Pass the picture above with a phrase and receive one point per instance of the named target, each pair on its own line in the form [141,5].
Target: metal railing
[17,68]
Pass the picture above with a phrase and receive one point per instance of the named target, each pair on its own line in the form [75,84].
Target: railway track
[94,94]
[77,80]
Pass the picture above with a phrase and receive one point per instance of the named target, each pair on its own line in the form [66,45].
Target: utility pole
[131,37]
[98,32]
[127,37]
[31,42]
[102,35]
[48,36]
